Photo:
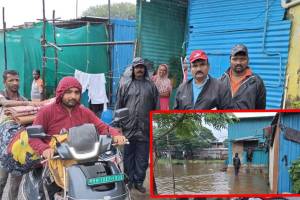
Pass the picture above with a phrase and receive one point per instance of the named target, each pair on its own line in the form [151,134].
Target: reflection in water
[207,179]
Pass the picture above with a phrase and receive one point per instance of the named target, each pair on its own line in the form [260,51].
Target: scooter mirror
[121,114]
[36,131]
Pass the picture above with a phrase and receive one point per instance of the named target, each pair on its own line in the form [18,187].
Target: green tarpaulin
[24,53]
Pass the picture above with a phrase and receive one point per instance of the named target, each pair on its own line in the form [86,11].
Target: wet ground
[136,195]
[191,178]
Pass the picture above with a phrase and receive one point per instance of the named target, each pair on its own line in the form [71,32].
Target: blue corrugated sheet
[249,127]
[290,149]
[260,157]
[124,30]
[215,26]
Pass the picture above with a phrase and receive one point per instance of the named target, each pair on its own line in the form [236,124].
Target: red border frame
[152,195]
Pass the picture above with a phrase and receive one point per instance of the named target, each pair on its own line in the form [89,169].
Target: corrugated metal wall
[123,30]
[161,29]
[249,127]
[260,157]
[215,26]
[290,149]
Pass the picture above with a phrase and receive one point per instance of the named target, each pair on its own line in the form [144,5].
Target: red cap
[198,54]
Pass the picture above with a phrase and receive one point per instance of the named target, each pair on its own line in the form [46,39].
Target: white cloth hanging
[95,84]
[83,79]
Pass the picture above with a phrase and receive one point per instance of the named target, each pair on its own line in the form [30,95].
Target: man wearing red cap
[247,89]
[202,92]
[66,113]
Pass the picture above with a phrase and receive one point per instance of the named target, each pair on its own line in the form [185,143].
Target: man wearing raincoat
[140,96]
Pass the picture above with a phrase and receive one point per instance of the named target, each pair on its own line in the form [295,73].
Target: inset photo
[225,153]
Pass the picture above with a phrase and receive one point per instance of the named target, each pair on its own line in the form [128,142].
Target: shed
[283,151]
[216,26]
[246,137]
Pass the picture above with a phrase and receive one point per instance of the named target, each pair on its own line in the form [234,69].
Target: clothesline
[107,74]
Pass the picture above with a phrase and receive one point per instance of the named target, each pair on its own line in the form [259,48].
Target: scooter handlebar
[115,144]
[46,160]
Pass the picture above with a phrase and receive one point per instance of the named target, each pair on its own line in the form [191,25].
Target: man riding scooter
[66,113]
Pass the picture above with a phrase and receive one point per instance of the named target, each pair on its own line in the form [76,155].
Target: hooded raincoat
[140,97]
[56,119]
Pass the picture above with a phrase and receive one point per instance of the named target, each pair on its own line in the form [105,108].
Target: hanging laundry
[83,79]
[97,91]
[95,84]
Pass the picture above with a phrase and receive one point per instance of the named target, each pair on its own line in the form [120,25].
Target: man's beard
[239,69]
[70,103]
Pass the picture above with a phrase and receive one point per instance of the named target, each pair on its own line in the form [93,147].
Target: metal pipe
[55,49]
[286,5]
[271,53]
[134,49]
[76,8]
[4,38]
[109,12]
[87,49]
[44,50]
[285,92]
[110,39]
[139,29]
[50,44]
[91,44]
[172,171]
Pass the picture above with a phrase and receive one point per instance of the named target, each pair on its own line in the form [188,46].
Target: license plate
[105,179]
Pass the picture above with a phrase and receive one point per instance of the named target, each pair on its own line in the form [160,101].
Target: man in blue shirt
[202,92]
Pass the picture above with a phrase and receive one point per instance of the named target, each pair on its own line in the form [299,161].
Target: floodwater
[201,178]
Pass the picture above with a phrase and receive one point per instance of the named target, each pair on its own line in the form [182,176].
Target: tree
[118,10]
[186,130]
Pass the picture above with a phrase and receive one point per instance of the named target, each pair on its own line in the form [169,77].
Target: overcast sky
[221,135]
[19,11]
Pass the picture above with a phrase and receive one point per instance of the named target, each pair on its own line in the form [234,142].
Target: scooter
[97,174]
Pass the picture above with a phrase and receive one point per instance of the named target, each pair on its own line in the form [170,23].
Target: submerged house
[283,140]
[246,138]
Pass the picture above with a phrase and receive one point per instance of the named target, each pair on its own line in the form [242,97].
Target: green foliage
[118,10]
[295,175]
[186,130]
[295,104]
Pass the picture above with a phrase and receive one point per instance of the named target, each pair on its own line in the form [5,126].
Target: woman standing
[164,86]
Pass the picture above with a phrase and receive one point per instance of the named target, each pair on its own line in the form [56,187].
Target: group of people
[66,112]
[238,88]
[9,97]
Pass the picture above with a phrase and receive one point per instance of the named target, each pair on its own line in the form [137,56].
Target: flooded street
[191,178]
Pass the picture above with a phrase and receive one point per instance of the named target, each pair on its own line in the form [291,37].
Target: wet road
[191,178]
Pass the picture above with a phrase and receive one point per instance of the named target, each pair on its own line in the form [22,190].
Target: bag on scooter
[57,166]
[8,130]
[18,157]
